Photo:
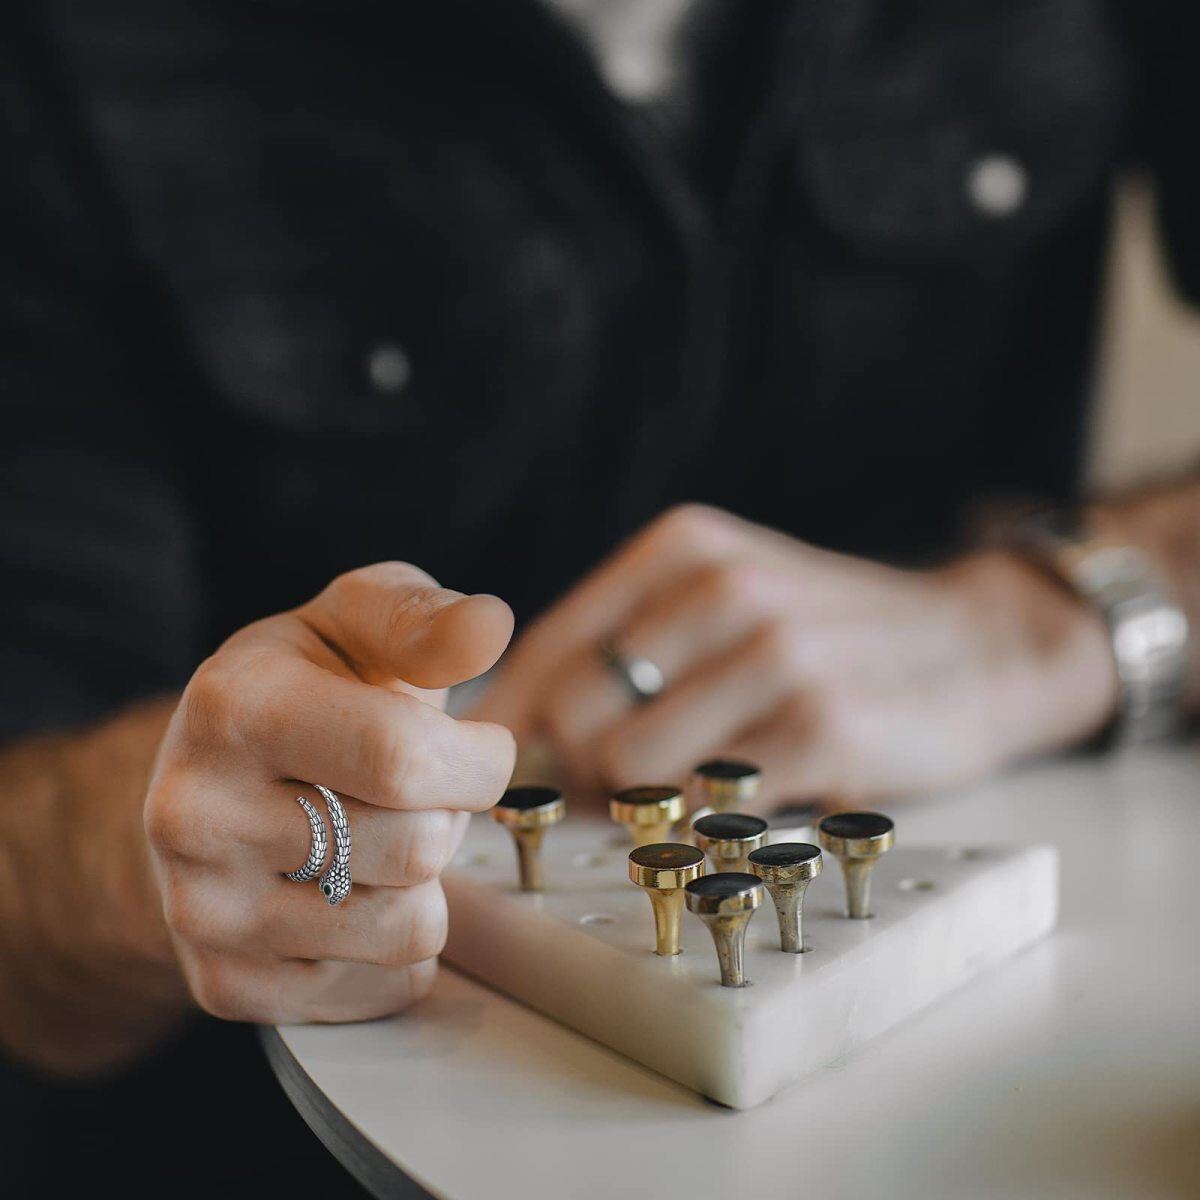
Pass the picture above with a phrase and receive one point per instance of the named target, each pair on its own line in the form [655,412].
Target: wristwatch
[1149,632]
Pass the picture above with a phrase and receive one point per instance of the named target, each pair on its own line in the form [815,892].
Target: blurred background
[1147,418]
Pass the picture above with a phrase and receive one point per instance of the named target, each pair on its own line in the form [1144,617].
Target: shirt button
[997,185]
[389,368]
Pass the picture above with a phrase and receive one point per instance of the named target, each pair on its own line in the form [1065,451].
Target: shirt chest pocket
[932,129]
[317,355]
[362,352]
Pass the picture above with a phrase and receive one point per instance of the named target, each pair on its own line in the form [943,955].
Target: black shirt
[290,287]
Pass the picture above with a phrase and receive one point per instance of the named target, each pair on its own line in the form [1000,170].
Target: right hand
[346,691]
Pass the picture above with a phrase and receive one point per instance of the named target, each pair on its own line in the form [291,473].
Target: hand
[844,680]
[332,693]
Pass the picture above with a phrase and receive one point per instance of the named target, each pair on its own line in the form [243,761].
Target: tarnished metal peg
[528,812]
[647,812]
[663,870]
[857,840]
[725,785]
[786,869]
[725,903]
[727,838]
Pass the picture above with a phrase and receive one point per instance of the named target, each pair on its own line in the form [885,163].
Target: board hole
[597,919]
[916,885]
[473,861]
[591,860]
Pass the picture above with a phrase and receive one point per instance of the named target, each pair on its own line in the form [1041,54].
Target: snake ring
[318,848]
[335,882]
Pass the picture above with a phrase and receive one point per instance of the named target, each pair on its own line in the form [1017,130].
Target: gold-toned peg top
[665,865]
[726,785]
[525,808]
[648,812]
[649,805]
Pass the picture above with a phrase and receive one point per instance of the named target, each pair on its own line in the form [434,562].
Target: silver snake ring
[318,848]
[335,882]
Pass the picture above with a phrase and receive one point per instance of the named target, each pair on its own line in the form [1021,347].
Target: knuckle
[421,978]
[422,856]
[698,527]
[222,992]
[205,700]
[726,585]
[185,912]
[425,925]
[168,819]
[778,644]
[349,587]
[393,753]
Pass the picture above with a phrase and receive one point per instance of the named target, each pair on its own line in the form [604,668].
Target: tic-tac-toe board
[582,952]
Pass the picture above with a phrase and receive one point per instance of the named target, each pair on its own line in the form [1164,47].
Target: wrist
[1044,655]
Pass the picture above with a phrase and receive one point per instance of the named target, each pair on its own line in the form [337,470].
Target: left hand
[843,679]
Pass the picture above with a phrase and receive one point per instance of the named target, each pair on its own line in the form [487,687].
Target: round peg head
[654,805]
[729,836]
[857,834]
[725,894]
[523,808]
[665,865]
[725,784]
[786,862]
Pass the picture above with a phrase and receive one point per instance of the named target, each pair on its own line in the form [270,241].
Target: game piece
[527,812]
[647,812]
[728,837]
[786,870]
[724,785]
[857,839]
[663,869]
[725,903]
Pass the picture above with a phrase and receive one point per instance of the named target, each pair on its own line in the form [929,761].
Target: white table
[1072,1071]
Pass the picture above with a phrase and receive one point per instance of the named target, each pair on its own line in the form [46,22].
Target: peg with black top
[649,812]
[725,903]
[786,869]
[728,837]
[663,870]
[725,785]
[858,840]
[527,812]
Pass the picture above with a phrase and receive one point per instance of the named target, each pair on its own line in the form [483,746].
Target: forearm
[1164,522]
[87,975]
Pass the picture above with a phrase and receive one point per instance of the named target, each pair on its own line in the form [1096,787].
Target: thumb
[392,619]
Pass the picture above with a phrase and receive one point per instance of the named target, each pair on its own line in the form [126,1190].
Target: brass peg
[647,812]
[728,837]
[786,869]
[528,812]
[857,839]
[725,785]
[663,870]
[725,903]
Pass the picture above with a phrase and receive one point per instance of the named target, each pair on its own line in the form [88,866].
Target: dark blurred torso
[806,319]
